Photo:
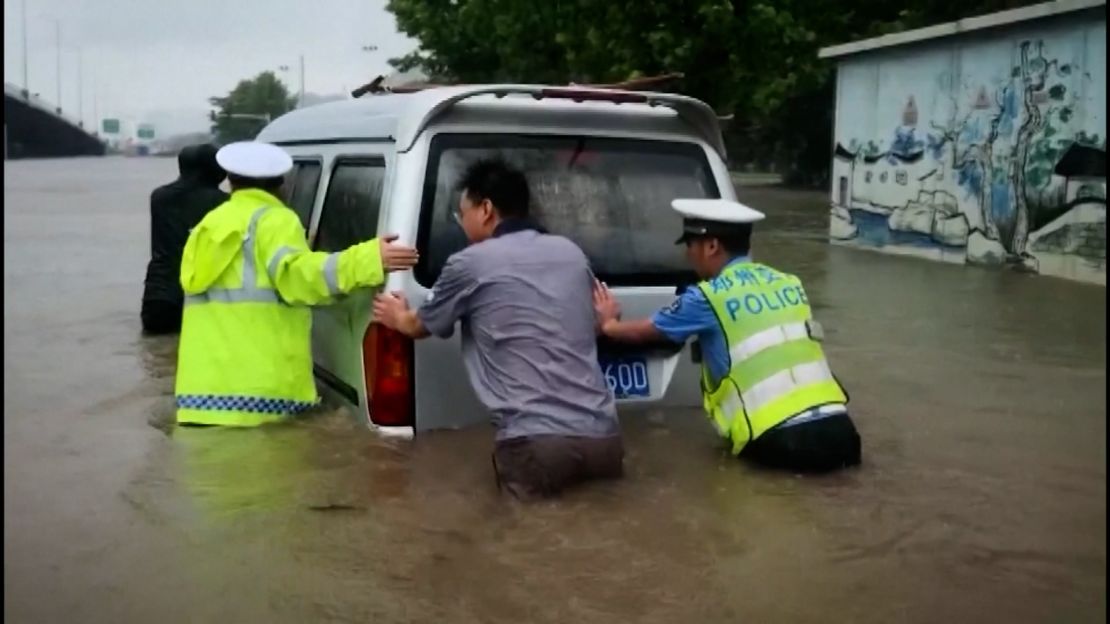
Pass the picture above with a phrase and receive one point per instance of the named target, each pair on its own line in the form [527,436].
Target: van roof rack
[375,87]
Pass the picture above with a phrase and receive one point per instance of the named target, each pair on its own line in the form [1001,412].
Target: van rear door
[611,196]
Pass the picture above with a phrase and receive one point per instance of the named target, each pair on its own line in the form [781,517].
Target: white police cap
[701,217]
[719,210]
[252,159]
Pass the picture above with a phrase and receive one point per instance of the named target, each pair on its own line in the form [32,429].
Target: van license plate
[627,377]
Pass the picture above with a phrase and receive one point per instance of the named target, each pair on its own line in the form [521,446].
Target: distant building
[978,141]
[171,146]
[314,99]
[404,79]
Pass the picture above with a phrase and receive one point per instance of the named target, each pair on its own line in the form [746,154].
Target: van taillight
[387,360]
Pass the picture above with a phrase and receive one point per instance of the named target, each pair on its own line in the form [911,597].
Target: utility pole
[26,87]
[80,89]
[369,49]
[96,114]
[58,40]
[300,94]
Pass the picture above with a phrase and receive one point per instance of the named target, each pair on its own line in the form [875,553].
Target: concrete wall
[986,148]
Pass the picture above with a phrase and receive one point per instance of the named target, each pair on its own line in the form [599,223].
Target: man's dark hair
[270,185]
[503,185]
[738,242]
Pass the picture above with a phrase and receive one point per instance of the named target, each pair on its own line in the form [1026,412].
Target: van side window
[302,188]
[352,204]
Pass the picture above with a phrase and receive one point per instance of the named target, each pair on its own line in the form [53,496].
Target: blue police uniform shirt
[691,315]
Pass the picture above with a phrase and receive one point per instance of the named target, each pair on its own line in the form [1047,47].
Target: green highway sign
[146,133]
[110,126]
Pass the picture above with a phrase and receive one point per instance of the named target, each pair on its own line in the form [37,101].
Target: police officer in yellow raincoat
[766,384]
[249,278]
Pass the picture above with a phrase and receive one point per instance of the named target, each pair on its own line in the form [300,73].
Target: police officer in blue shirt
[765,381]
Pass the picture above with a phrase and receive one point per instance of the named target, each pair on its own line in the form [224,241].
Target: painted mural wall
[988,148]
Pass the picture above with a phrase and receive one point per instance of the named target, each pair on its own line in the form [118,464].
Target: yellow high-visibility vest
[777,368]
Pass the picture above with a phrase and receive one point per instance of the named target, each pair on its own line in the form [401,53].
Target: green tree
[756,60]
[241,114]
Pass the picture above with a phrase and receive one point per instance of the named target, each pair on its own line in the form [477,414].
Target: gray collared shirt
[529,337]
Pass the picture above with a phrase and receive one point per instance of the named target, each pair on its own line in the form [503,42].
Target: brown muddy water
[980,397]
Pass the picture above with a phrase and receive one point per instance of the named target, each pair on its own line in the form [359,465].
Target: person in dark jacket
[175,209]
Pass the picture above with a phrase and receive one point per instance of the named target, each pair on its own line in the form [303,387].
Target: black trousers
[161,317]
[821,445]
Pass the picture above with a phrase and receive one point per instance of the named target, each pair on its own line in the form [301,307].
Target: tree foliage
[241,114]
[754,59]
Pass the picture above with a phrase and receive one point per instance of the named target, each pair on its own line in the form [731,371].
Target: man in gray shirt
[529,336]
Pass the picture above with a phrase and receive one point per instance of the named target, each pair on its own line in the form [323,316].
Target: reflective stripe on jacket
[248,275]
[777,368]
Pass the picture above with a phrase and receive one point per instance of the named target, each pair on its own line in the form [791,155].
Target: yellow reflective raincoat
[245,355]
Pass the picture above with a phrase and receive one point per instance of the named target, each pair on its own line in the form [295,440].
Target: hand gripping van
[603,165]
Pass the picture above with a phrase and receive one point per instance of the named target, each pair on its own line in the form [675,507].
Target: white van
[603,166]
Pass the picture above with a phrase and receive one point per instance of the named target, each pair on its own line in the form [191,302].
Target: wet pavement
[979,395]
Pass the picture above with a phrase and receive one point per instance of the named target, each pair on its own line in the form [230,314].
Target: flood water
[979,396]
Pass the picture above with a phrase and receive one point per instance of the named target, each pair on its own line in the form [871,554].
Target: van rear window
[611,196]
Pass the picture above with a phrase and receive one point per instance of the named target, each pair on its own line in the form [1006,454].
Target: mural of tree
[1009,169]
[973,165]
[1034,75]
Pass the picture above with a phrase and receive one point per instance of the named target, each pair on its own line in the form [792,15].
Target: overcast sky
[160,60]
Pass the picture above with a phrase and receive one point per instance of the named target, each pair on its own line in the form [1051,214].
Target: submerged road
[979,395]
